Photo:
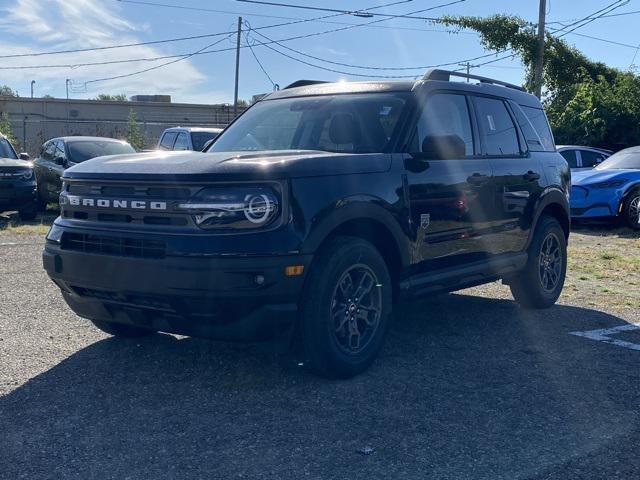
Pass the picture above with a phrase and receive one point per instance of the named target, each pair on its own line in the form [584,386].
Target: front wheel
[540,283]
[345,308]
[631,209]
[29,212]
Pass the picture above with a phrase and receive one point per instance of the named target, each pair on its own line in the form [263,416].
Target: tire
[540,283]
[631,209]
[122,330]
[331,346]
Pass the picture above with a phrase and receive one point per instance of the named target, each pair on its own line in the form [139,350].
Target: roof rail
[445,76]
[303,83]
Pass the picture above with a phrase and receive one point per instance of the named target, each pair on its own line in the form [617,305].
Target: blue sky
[30,26]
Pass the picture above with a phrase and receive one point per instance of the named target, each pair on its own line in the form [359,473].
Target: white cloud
[42,25]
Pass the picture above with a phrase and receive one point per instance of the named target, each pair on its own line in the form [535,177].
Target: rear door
[517,173]
[450,198]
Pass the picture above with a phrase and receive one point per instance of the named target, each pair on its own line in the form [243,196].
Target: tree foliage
[587,102]
[7,131]
[134,136]
[6,91]
[106,97]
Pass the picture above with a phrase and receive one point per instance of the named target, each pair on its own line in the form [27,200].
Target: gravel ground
[468,386]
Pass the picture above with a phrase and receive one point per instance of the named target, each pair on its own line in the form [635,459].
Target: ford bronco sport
[315,211]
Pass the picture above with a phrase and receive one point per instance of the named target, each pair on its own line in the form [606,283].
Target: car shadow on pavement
[466,387]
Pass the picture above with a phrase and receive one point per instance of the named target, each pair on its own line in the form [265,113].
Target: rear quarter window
[535,127]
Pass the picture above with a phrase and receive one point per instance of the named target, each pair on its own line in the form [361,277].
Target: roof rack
[445,76]
[303,83]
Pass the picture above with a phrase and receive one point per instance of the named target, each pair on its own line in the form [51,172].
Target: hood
[195,166]
[9,164]
[588,177]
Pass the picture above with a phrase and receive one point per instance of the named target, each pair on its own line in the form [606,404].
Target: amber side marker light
[293,270]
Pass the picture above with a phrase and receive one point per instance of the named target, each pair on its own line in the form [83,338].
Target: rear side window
[538,121]
[497,131]
[168,140]
[570,157]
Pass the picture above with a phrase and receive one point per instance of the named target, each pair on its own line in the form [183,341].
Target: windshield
[624,159]
[84,150]
[358,123]
[198,139]
[6,150]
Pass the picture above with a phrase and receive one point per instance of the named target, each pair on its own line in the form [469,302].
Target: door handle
[478,179]
[531,176]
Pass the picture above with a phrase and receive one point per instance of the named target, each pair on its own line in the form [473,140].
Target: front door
[451,195]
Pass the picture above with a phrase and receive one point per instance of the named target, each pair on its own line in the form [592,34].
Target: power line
[178,39]
[255,56]
[357,13]
[281,17]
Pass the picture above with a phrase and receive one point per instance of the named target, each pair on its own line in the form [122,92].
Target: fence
[33,121]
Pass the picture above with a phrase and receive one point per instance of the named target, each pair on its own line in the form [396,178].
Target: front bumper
[16,195]
[231,297]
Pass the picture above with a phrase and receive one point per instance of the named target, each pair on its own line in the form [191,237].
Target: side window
[497,130]
[591,159]
[182,142]
[538,120]
[570,157]
[6,150]
[446,115]
[168,139]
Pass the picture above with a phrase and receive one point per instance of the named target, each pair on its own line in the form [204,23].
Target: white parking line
[603,335]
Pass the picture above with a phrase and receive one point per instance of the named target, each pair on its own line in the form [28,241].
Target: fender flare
[550,196]
[353,211]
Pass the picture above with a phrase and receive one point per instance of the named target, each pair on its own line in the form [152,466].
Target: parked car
[187,138]
[583,158]
[611,190]
[17,182]
[58,154]
[315,209]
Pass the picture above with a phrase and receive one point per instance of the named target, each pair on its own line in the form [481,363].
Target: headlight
[609,184]
[237,208]
[28,174]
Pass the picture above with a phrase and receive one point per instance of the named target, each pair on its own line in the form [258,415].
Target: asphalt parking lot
[468,386]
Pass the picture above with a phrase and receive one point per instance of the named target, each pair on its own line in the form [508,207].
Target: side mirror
[24,156]
[207,145]
[59,161]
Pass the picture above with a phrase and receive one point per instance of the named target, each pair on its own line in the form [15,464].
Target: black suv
[17,182]
[314,211]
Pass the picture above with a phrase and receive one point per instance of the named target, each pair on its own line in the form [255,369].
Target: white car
[187,138]
[583,158]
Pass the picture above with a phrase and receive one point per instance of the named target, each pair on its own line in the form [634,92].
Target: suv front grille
[119,246]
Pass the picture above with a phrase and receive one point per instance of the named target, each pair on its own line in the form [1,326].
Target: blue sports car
[612,189]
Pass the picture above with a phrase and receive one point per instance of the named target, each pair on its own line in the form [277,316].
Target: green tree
[105,97]
[7,131]
[587,102]
[6,91]
[134,136]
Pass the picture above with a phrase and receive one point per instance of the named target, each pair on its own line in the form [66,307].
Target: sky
[36,26]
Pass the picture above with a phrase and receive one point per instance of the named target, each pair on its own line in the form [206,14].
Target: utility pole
[67,81]
[33,82]
[537,80]
[235,95]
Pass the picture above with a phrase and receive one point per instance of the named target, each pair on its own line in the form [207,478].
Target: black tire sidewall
[631,223]
[319,341]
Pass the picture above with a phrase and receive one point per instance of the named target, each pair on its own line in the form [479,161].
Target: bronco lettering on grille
[111,203]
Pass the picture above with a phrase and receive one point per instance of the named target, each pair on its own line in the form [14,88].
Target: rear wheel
[345,308]
[631,209]
[29,212]
[540,283]
[121,330]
